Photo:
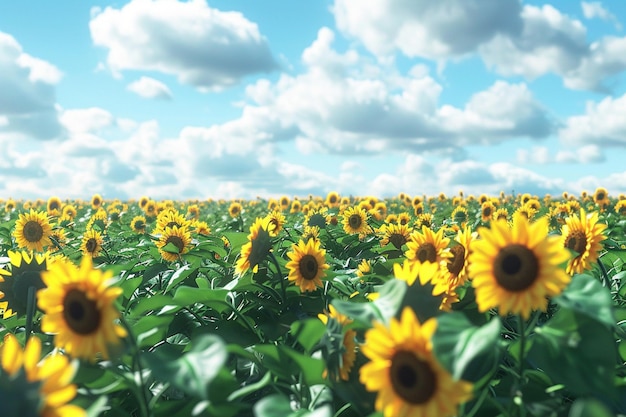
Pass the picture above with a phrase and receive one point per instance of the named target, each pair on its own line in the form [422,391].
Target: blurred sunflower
[151,208]
[601,197]
[296,207]
[501,214]
[363,268]
[99,220]
[311,232]
[10,205]
[332,199]
[456,266]
[317,217]
[193,212]
[355,221]
[620,207]
[307,265]
[277,220]
[142,202]
[405,372]
[583,235]
[173,242]
[33,230]
[424,219]
[138,224]
[201,228]
[69,210]
[96,201]
[25,272]
[396,234]
[91,243]
[404,218]
[418,209]
[339,366]
[257,248]
[459,216]
[427,249]
[516,267]
[391,218]
[79,310]
[54,206]
[36,386]
[234,210]
[487,210]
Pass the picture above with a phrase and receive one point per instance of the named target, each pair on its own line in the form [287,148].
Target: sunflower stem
[522,353]
[144,404]
[30,310]
[279,274]
[605,274]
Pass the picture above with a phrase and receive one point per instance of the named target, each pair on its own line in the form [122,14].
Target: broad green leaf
[587,407]
[308,332]
[586,295]
[213,298]
[179,275]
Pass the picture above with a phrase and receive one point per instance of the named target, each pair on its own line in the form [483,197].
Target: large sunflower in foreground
[405,372]
[26,269]
[584,236]
[516,267]
[257,248]
[307,265]
[27,378]
[79,310]
[178,239]
[33,230]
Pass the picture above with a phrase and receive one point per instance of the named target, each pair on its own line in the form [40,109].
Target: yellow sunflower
[460,216]
[170,217]
[396,234]
[10,205]
[96,201]
[487,210]
[47,381]
[138,224]
[54,206]
[601,197]
[79,310]
[516,267]
[363,268]
[355,221]
[173,242]
[405,372]
[26,270]
[455,271]
[33,230]
[69,211]
[332,199]
[91,244]
[257,248]
[345,361]
[307,265]
[427,249]
[583,235]
[234,210]
[277,219]
[404,218]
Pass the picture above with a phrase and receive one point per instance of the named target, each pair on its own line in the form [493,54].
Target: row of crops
[508,305]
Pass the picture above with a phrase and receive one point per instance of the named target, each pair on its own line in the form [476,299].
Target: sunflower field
[332,306]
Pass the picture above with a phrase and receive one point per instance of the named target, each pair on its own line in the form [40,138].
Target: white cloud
[536,155]
[603,124]
[594,9]
[85,120]
[150,88]
[202,46]
[587,154]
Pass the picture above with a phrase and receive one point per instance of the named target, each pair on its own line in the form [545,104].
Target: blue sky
[240,98]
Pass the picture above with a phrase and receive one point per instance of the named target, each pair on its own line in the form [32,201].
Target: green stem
[31,304]
[143,398]
[279,274]
[522,356]
[605,274]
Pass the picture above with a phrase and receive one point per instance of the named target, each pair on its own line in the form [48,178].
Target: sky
[244,98]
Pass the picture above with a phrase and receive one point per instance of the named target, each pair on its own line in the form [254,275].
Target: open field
[506,305]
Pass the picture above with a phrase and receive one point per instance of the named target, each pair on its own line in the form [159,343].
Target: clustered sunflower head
[78,303]
[583,235]
[355,221]
[257,248]
[307,265]
[173,242]
[405,372]
[138,224]
[32,231]
[36,386]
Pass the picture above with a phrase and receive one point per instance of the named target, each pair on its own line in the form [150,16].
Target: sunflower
[363,268]
[296,207]
[487,210]
[395,234]
[79,310]
[151,209]
[516,267]
[138,224]
[347,349]
[404,218]
[69,211]
[427,249]
[54,206]
[234,210]
[10,205]
[58,238]
[355,221]
[391,218]
[33,230]
[620,207]
[143,201]
[91,244]
[459,215]
[170,217]
[277,219]
[201,228]
[311,232]
[257,248]
[317,217]
[455,271]
[424,219]
[193,212]
[332,199]
[27,377]
[307,264]
[418,209]
[583,235]
[405,372]
[379,211]
[173,242]
[601,197]
[96,201]
[501,214]
[99,220]
[26,269]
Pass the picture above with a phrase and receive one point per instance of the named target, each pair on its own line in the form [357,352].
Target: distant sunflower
[620,207]
[25,272]
[170,217]
[257,248]
[54,206]
[311,232]
[151,208]
[396,234]
[487,210]
[526,211]
[69,211]
[307,265]
[296,207]
[405,372]
[583,235]
[38,386]
[79,309]
[201,228]
[391,218]
[347,350]
[33,230]
[418,209]
[601,196]
[355,221]
[317,217]
[99,220]
[10,205]
[143,201]
[404,218]
[427,249]
[332,199]
[363,268]
[138,224]
[501,214]
[91,244]
[193,212]
[234,210]
[277,219]
[178,239]
[96,201]
[455,272]
[424,219]
[459,215]
[515,268]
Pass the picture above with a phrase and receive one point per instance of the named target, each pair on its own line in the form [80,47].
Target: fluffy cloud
[603,124]
[150,88]
[540,155]
[202,46]
[28,99]
[594,9]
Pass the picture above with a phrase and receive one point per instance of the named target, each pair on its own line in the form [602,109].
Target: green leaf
[179,275]
[308,332]
[130,285]
[276,405]
[213,298]
[194,370]
[468,351]
[585,407]
[170,248]
[586,295]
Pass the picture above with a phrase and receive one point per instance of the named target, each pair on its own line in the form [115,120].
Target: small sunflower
[311,232]
[307,265]
[355,221]
[277,219]
[234,210]
[151,209]
[317,217]
[99,220]
[405,372]
[424,219]
[96,201]
[69,211]
[363,268]
[487,210]
[138,224]
[45,387]
[583,235]
[33,230]
[427,249]
[459,215]
[296,207]
[143,201]
[620,208]
[193,212]
[601,197]
[201,228]
[26,270]
[343,362]
[54,206]
[455,271]
[404,218]
[10,205]
[79,310]
[501,214]
[332,199]
[515,268]
[91,244]
[173,242]
[257,248]
[396,234]
[170,217]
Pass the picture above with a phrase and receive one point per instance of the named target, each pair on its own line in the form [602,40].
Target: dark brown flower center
[355,221]
[140,225]
[576,241]
[80,313]
[172,224]
[397,240]
[487,212]
[54,205]
[426,252]
[600,196]
[91,245]
[176,241]
[455,264]
[33,231]
[308,267]
[516,267]
[412,378]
